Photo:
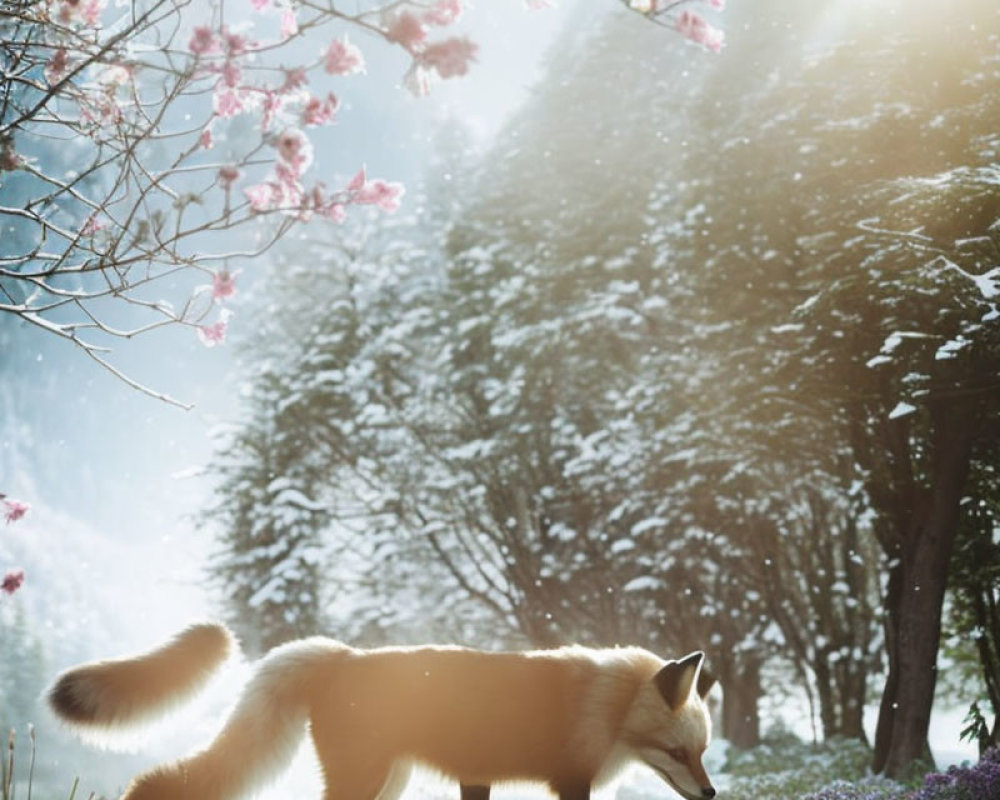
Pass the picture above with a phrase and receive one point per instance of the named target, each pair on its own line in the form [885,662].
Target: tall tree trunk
[915,597]
[915,622]
[852,672]
[886,718]
[740,702]
[854,684]
[826,692]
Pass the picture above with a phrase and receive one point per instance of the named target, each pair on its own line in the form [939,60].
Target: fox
[569,718]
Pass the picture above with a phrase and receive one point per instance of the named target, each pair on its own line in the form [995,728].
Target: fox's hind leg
[362,780]
[399,776]
[474,792]
[354,768]
[572,790]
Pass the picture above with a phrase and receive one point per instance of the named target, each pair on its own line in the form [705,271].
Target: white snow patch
[647,524]
[642,583]
[901,410]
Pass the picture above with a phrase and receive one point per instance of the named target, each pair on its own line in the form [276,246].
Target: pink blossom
[272,105]
[263,196]
[57,67]
[333,209]
[12,581]
[9,160]
[211,335]
[206,140]
[115,75]
[203,41]
[228,175]
[289,23]
[223,285]
[283,192]
[387,195]
[318,111]
[85,11]
[719,4]
[68,11]
[377,192]
[236,44]
[294,149]
[92,11]
[288,175]
[451,57]
[93,225]
[260,5]
[289,192]
[230,74]
[14,510]
[335,212]
[443,12]
[228,102]
[99,108]
[359,180]
[406,29]
[295,78]
[695,28]
[343,58]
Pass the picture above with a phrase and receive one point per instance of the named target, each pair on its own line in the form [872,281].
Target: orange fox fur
[568,717]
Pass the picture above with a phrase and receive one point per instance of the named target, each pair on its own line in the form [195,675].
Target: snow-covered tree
[844,230]
[689,371]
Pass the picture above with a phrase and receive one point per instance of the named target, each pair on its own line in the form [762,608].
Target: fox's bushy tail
[259,738]
[125,691]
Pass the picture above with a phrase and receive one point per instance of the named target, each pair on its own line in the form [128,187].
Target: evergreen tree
[21,669]
[840,218]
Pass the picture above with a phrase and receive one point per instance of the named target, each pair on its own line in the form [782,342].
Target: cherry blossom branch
[142,198]
[688,23]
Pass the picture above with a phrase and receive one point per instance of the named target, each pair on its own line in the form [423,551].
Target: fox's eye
[676,754]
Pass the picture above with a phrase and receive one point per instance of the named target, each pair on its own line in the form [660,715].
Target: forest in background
[694,357]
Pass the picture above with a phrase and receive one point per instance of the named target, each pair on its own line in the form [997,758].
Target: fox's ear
[677,678]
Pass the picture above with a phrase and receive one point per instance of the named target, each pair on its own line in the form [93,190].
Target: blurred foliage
[783,766]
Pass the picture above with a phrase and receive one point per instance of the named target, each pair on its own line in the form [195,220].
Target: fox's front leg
[573,790]
[474,792]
